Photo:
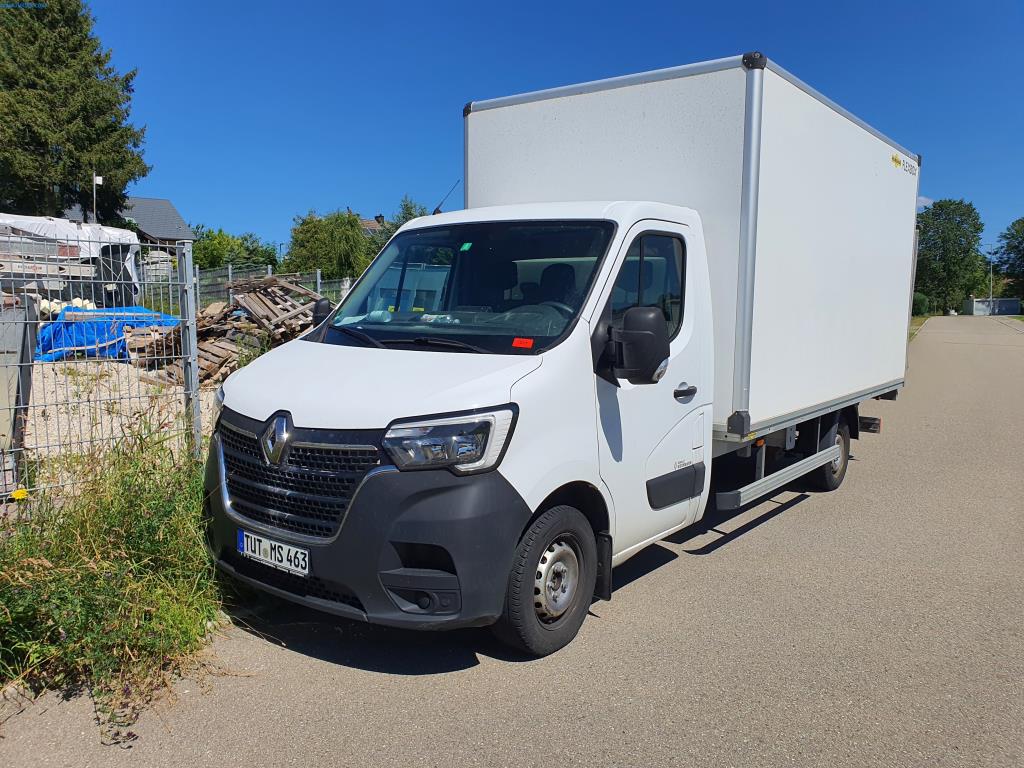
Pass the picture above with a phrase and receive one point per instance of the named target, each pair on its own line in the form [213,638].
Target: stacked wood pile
[265,312]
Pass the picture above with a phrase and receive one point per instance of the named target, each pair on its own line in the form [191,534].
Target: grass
[915,324]
[109,589]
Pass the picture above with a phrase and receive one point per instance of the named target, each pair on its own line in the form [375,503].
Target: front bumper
[423,550]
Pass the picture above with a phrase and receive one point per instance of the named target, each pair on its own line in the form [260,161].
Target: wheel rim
[837,462]
[557,580]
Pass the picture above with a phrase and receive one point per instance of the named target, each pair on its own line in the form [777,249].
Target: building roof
[155,217]
[371,226]
[158,218]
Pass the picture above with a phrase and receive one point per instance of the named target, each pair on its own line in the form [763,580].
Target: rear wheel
[551,584]
[830,476]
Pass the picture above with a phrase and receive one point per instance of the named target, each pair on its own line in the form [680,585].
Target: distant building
[372,226]
[157,219]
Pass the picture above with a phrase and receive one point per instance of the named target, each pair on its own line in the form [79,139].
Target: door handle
[684,390]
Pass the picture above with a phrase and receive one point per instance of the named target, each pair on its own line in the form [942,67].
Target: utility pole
[95,180]
[991,306]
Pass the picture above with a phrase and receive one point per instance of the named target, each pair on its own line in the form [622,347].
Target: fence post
[195,271]
[189,342]
[231,293]
[318,281]
[270,270]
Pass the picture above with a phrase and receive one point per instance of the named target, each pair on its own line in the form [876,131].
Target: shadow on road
[365,646]
[713,518]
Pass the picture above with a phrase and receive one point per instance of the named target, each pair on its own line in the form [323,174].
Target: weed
[108,587]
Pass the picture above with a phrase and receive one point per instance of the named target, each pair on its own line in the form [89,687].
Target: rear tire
[830,476]
[551,584]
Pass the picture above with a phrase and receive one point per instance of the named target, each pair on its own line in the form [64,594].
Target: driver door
[652,436]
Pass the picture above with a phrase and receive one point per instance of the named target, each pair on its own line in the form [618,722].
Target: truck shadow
[363,646]
[714,518]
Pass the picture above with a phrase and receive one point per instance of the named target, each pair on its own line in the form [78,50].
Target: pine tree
[65,113]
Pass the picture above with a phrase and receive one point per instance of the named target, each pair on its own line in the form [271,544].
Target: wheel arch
[589,500]
[583,496]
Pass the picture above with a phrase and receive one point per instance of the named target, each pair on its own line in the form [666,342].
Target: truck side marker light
[522,343]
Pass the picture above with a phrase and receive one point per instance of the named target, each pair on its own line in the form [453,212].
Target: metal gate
[97,339]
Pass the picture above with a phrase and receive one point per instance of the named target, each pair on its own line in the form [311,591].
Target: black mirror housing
[641,346]
[321,311]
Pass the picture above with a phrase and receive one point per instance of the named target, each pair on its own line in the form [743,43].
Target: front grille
[303,586]
[310,490]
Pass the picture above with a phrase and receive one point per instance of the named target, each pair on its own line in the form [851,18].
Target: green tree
[408,209]
[949,261]
[65,113]
[1010,253]
[258,251]
[215,248]
[334,243]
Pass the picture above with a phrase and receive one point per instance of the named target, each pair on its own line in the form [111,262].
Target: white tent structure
[55,252]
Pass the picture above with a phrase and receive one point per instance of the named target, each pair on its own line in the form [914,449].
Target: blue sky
[259,111]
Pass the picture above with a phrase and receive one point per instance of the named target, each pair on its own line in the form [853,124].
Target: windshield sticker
[466,246]
[522,343]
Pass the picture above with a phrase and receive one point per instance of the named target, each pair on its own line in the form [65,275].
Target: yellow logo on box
[897,162]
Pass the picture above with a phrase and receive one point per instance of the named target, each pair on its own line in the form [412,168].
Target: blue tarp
[99,337]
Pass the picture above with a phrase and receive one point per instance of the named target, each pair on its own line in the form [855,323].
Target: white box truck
[655,277]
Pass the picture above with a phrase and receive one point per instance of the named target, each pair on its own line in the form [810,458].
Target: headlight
[470,443]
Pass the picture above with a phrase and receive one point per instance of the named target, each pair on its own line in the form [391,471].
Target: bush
[111,588]
[921,304]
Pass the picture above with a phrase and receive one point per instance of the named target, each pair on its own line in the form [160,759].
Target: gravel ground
[879,625]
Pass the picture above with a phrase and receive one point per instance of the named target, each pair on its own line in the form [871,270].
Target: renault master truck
[654,276]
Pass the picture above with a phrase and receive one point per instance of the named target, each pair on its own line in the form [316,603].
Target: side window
[653,275]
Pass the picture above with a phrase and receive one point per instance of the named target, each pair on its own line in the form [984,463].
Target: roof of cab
[623,212]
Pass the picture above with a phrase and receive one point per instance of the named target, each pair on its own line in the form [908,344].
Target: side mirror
[641,346]
[321,310]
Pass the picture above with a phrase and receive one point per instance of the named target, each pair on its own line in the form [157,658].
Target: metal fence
[215,284]
[99,340]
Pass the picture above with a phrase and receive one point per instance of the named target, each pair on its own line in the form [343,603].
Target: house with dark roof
[157,219]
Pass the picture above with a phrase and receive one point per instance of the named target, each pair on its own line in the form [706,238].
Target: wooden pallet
[273,311]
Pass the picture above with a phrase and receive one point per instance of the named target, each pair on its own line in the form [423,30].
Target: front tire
[551,583]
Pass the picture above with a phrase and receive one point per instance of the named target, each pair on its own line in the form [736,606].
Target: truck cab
[509,402]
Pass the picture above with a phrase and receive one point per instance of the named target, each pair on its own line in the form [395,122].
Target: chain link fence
[90,330]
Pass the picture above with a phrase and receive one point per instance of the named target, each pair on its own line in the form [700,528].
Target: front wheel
[551,584]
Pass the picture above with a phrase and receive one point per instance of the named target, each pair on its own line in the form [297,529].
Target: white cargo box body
[808,214]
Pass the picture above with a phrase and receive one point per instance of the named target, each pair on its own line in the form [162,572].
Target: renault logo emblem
[275,439]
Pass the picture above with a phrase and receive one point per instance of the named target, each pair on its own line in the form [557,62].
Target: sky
[259,111]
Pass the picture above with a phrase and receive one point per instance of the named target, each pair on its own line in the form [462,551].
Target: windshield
[508,287]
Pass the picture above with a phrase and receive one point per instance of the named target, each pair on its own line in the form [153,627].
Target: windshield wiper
[355,334]
[429,341]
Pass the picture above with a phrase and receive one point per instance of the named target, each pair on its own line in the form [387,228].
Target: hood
[331,386]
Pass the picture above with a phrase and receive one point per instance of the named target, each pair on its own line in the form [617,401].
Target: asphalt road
[879,625]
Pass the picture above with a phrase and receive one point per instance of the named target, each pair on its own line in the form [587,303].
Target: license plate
[273,553]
